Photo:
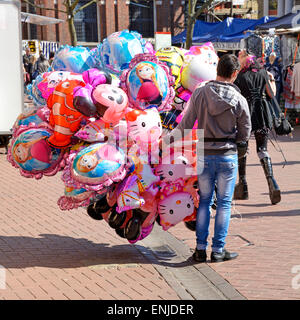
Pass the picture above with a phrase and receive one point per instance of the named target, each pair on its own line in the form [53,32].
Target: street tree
[71,9]
[192,16]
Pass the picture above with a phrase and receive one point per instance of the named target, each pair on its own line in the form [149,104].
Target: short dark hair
[228,63]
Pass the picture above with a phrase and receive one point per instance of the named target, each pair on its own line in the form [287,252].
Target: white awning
[37,19]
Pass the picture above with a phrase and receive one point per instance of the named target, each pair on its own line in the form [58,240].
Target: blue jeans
[221,171]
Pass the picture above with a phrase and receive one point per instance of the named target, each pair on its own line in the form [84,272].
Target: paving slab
[266,236]
[47,253]
[51,254]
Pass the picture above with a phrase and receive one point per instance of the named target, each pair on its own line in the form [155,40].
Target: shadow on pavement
[256,205]
[56,251]
[286,192]
[289,163]
[167,258]
[268,214]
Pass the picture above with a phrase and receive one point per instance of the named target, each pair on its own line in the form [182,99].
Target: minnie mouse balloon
[111,102]
[83,94]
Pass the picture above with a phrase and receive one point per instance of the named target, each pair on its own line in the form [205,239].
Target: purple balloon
[95,77]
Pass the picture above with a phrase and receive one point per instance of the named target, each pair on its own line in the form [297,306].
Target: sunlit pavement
[46,253]
[266,236]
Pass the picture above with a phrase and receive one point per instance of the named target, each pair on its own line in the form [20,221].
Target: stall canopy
[37,19]
[288,21]
[229,30]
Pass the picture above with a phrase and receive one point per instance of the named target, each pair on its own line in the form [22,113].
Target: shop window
[141,18]
[29,31]
[85,22]
[272,7]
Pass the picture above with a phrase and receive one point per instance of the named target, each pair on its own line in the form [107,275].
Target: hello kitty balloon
[200,65]
[174,208]
[174,167]
[144,128]
[52,79]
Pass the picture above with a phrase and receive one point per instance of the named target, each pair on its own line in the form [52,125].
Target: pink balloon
[175,208]
[149,48]
[95,77]
[111,102]
[41,151]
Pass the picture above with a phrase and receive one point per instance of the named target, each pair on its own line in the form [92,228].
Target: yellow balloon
[174,59]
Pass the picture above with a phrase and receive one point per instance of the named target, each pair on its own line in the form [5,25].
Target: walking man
[223,113]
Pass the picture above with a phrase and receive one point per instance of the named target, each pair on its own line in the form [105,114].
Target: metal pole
[266,7]
[288,6]
[154,17]
[280,8]
[98,21]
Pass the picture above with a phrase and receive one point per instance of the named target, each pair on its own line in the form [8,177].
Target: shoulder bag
[281,124]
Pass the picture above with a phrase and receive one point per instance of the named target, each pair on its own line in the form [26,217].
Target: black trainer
[199,255]
[223,256]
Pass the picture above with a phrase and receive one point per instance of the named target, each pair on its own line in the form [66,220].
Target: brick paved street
[266,236]
[52,254]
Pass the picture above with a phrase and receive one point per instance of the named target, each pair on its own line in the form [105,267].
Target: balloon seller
[98,117]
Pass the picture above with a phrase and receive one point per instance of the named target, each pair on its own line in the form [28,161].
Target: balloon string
[171,117]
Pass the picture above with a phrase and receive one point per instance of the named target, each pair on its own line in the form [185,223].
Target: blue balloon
[73,59]
[35,92]
[119,48]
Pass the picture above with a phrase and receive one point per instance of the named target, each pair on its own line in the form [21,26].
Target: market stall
[285,31]
[226,35]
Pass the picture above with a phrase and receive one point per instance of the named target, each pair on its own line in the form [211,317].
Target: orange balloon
[64,118]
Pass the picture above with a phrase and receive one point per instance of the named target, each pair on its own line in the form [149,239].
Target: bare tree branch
[70,11]
[202,9]
[40,7]
[73,5]
[192,16]
[216,17]
[85,5]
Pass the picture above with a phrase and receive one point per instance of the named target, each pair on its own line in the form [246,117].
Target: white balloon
[202,67]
